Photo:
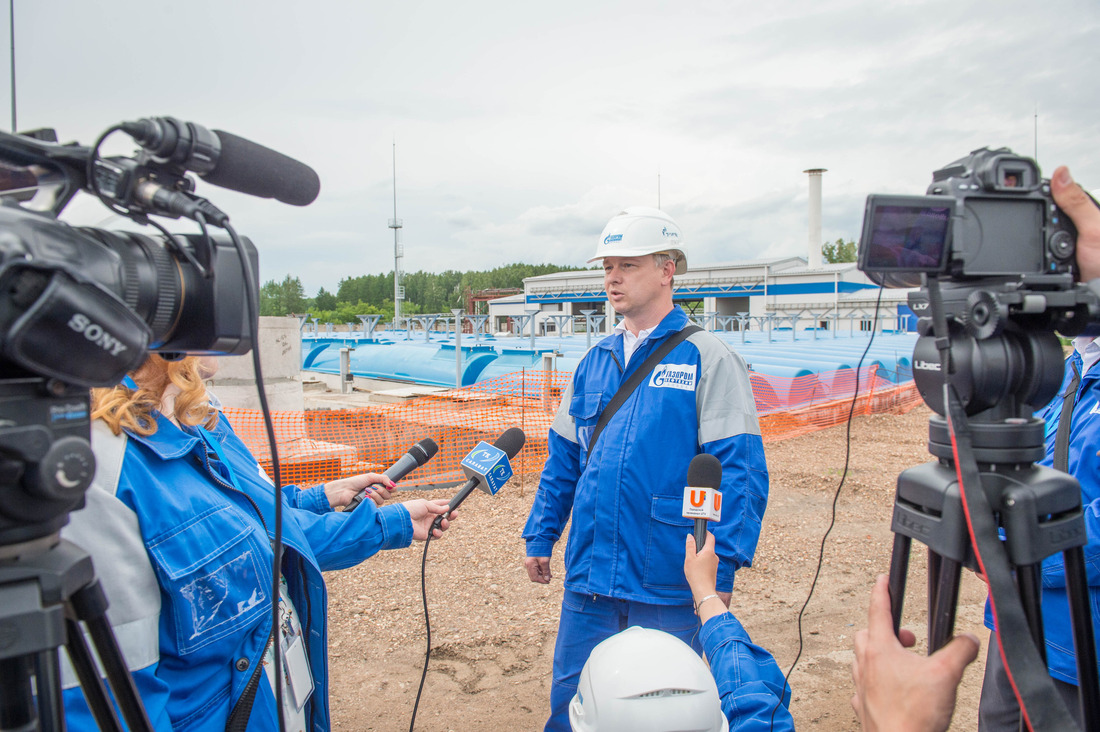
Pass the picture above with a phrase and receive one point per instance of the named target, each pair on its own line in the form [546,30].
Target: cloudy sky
[522,127]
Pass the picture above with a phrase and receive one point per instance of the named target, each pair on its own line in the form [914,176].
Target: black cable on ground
[832,520]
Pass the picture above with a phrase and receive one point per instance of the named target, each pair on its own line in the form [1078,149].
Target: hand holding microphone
[417,455]
[703,494]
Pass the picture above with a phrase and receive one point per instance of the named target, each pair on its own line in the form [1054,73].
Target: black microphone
[703,495]
[486,469]
[226,160]
[417,455]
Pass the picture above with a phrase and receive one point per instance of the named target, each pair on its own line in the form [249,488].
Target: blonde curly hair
[123,408]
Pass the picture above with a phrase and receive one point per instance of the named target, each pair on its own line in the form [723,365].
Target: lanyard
[217,448]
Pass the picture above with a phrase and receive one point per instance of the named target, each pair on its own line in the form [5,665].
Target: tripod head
[46,461]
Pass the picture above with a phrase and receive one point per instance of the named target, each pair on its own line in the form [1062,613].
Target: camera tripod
[986,485]
[46,587]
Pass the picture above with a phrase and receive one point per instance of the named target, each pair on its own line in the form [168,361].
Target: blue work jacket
[626,497]
[1083,463]
[196,633]
[755,697]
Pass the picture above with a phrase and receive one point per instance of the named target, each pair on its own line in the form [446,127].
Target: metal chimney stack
[815,242]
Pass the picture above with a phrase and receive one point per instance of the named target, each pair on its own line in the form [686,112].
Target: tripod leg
[90,605]
[94,691]
[899,571]
[941,615]
[1030,584]
[17,701]
[47,674]
[1084,642]
[935,570]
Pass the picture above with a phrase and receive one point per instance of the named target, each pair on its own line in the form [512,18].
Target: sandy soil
[492,630]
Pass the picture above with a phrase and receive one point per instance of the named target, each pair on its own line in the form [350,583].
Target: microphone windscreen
[511,442]
[247,167]
[704,471]
[428,449]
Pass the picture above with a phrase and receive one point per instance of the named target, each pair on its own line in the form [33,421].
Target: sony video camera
[80,307]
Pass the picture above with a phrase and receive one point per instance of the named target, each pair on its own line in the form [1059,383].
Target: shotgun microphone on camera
[417,455]
[226,160]
[487,468]
[703,494]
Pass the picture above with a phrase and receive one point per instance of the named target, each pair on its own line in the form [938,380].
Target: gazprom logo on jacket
[674,376]
[612,237]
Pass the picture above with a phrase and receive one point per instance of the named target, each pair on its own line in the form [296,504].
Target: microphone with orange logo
[703,494]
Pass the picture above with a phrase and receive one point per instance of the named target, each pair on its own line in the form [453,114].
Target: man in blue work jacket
[624,560]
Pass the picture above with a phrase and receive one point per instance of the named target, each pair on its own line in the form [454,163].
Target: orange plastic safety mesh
[319,445]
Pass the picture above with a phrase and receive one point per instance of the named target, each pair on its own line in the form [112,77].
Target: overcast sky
[522,127]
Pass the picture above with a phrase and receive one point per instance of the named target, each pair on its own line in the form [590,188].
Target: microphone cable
[427,626]
[251,305]
[836,497]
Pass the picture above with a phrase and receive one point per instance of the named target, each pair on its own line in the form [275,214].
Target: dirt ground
[492,630]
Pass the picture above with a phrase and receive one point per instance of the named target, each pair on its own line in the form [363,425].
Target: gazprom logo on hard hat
[612,237]
[666,232]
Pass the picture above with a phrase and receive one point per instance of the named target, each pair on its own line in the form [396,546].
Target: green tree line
[840,251]
[425,292]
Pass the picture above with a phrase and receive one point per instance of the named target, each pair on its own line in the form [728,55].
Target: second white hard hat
[641,230]
[645,680]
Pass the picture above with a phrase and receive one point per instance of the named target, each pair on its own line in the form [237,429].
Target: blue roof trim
[802,288]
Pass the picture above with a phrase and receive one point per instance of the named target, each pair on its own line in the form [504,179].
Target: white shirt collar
[1089,349]
[631,341]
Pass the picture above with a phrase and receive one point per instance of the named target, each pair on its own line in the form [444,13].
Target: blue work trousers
[588,619]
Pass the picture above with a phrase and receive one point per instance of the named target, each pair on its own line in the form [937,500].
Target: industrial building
[787,293]
[780,293]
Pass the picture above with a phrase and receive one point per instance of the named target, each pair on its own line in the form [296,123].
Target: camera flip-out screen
[906,234]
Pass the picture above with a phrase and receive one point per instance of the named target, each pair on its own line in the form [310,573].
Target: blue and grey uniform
[998,708]
[624,558]
[180,535]
[1084,464]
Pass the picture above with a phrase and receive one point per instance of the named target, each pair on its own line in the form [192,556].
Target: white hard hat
[645,680]
[642,230]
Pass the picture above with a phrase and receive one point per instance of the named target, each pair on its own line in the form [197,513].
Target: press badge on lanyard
[297,677]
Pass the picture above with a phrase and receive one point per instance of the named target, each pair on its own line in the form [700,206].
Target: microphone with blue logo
[703,494]
[487,468]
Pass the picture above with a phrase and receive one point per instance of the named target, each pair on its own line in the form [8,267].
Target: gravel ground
[492,630]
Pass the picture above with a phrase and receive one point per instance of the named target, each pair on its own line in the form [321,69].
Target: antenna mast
[398,249]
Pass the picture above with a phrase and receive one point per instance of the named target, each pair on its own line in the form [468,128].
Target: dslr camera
[1003,256]
[987,215]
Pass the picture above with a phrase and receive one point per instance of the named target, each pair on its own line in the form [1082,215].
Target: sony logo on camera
[96,333]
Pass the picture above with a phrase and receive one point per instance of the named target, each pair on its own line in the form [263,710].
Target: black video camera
[80,307]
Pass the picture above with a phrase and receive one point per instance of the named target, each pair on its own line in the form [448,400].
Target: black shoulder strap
[627,387]
[1061,438]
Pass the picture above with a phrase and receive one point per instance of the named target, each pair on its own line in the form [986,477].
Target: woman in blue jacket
[179,523]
